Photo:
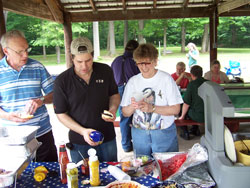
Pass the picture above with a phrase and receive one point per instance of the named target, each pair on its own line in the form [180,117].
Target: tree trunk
[165,41]
[125,33]
[183,37]
[58,54]
[5,13]
[96,40]
[112,38]
[140,36]
[44,52]
[234,37]
[108,43]
[205,39]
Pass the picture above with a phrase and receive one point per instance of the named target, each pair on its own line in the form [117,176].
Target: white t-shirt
[160,90]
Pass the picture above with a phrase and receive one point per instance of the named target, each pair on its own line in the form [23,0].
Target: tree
[125,40]
[96,42]
[140,35]
[112,38]
[205,39]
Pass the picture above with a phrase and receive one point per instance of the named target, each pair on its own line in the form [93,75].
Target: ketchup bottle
[63,161]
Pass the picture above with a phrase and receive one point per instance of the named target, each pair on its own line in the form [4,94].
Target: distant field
[168,62]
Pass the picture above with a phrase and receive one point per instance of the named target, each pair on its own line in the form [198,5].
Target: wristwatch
[153,110]
[42,99]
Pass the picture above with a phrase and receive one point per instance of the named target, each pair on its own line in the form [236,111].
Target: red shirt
[184,82]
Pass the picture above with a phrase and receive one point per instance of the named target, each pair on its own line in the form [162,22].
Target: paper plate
[229,145]
[124,184]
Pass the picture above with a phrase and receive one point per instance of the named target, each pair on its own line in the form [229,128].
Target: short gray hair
[10,34]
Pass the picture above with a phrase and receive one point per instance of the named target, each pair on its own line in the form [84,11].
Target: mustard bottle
[93,168]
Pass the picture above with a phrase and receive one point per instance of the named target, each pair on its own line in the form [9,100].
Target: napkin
[118,173]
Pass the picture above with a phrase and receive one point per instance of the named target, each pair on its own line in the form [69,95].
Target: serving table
[53,177]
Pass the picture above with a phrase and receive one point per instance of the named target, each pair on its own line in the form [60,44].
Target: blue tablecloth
[53,178]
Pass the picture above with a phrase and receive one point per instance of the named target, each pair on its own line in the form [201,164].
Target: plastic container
[63,161]
[118,173]
[13,166]
[72,175]
[17,135]
[25,150]
[96,136]
[242,157]
[93,168]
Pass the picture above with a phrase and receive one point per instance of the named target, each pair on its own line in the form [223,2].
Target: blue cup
[96,136]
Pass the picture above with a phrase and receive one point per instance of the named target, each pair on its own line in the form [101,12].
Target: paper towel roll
[118,173]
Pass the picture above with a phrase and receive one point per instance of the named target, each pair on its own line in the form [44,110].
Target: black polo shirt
[85,103]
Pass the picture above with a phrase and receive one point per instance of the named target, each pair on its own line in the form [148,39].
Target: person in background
[193,107]
[192,54]
[215,75]
[22,82]
[181,77]
[153,98]
[81,94]
[124,67]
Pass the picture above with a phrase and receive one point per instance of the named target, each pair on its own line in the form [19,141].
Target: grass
[175,53]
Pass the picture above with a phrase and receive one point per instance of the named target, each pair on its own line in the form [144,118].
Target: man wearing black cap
[81,94]
[124,67]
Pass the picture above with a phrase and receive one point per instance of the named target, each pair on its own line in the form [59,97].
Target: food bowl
[241,156]
[141,165]
[124,184]
[170,184]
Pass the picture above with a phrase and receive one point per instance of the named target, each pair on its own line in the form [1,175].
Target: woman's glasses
[143,63]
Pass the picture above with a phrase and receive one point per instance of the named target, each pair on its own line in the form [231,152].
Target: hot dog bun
[107,115]
[26,116]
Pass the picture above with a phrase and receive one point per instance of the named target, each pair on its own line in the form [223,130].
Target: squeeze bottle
[63,161]
[93,168]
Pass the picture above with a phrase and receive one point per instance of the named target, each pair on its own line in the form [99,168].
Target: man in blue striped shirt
[23,81]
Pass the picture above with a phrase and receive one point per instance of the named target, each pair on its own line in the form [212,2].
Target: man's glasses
[22,52]
[143,63]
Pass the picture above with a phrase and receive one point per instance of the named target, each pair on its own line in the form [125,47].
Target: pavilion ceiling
[107,10]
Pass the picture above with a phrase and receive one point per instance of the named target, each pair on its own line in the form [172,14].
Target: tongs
[133,171]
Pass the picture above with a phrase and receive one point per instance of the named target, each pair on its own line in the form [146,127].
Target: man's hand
[110,119]
[33,105]
[15,116]
[87,138]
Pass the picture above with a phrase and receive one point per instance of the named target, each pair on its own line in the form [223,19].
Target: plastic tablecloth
[52,180]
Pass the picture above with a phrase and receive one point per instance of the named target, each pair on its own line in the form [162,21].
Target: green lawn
[175,53]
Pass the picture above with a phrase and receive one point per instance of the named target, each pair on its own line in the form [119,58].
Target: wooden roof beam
[92,5]
[28,8]
[154,4]
[124,5]
[230,5]
[55,11]
[185,3]
[140,14]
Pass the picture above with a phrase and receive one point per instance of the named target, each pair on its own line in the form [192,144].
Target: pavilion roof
[108,10]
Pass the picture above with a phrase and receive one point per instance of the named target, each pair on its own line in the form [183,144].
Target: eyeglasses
[143,63]
[22,51]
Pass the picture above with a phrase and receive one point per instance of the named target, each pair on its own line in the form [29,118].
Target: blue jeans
[125,126]
[146,142]
[106,151]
